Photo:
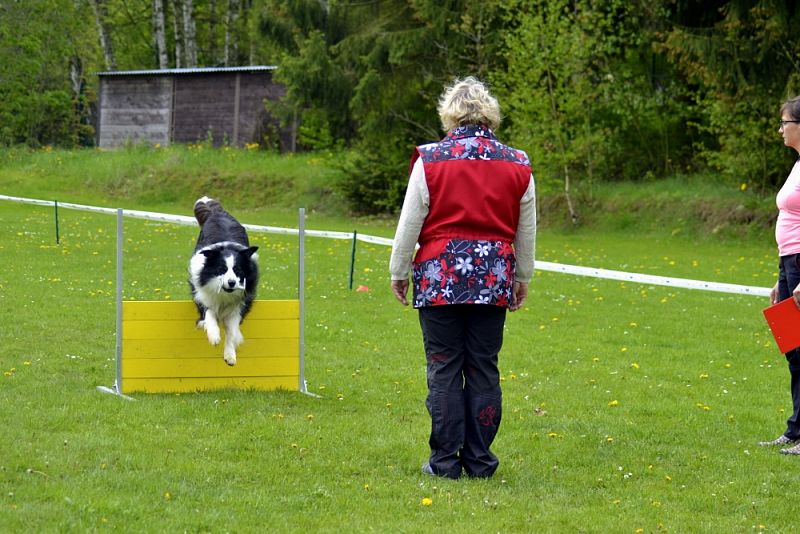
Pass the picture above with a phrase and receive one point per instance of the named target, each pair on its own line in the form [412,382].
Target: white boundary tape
[190,221]
[542,265]
[652,279]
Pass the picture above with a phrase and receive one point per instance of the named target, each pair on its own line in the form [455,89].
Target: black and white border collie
[223,274]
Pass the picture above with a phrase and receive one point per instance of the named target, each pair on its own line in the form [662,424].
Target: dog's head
[225,269]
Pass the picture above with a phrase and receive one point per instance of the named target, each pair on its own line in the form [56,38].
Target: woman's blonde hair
[468,101]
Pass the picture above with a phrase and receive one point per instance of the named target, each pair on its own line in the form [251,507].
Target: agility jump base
[164,352]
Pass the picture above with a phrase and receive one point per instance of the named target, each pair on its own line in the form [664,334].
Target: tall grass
[627,407]
[156,177]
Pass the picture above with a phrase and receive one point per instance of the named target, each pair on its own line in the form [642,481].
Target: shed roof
[203,70]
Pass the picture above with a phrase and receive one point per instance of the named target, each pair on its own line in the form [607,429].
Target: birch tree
[159,34]
[177,28]
[101,18]
[189,33]
[231,43]
[212,32]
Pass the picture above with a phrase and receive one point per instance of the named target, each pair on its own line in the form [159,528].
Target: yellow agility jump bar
[164,352]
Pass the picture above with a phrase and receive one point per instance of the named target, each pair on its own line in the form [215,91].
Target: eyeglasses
[784,123]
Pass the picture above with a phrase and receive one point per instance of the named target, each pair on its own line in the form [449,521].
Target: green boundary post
[353,258]
[58,238]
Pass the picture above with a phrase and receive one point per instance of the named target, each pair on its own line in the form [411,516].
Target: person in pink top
[787,234]
[471,206]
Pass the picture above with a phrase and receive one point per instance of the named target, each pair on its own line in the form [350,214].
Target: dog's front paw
[236,338]
[213,333]
[230,357]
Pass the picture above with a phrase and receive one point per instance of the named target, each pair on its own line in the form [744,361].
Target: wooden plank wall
[164,352]
[134,109]
[204,106]
[254,120]
[228,107]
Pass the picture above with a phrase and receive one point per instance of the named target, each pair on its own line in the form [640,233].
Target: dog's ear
[250,251]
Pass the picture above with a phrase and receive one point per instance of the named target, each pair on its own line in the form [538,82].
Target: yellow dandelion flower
[613,403]
[427,501]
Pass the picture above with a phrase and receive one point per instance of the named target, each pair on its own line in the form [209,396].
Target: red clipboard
[784,321]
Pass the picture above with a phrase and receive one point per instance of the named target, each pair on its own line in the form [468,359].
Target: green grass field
[627,407]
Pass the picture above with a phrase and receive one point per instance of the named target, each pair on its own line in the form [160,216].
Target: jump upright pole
[116,389]
[301,294]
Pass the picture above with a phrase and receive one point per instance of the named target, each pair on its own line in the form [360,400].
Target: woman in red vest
[470,204]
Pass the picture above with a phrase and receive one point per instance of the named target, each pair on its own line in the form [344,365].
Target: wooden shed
[225,105]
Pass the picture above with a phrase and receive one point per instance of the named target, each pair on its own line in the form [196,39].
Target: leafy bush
[374,180]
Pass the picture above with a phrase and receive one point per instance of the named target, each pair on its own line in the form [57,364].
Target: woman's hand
[519,293]
[796,294]
[773,295]
[400,290]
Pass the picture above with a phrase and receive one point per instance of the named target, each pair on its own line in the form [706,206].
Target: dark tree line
[592,89]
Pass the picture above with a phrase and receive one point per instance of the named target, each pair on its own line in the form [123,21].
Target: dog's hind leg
[211,326]
[233,337]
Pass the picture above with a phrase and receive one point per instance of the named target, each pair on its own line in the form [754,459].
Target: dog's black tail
[204,207]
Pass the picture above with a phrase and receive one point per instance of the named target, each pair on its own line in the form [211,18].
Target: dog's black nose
[231,283]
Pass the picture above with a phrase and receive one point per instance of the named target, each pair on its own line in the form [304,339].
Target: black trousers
[464,399]
[788,279]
